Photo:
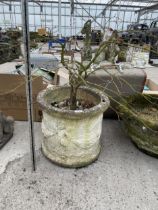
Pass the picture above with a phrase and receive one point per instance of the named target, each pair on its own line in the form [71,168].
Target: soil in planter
[81,104]
[148,113]
[147,110]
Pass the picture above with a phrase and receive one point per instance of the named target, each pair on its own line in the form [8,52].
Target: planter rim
[128,113]
[99,108]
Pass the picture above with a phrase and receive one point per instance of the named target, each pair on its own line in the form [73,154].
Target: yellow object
[42,31]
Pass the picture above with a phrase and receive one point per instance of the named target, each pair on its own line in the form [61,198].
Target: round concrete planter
[72,137]
[143,130]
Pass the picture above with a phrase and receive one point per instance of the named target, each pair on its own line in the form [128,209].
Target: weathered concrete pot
[72,138]
[142,129]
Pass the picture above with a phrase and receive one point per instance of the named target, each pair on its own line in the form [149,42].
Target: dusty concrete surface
[122,178]
[18,146]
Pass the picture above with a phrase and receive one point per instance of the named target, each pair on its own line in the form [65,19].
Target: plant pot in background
[72,137]
[140,118]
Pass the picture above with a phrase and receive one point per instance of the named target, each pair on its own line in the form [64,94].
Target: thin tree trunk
[62,53]
[73,98]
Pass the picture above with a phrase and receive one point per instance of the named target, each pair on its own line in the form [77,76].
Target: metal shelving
[116,14]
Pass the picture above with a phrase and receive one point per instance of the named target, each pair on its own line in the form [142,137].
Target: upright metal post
[26,39]
[110,17]
[71,16]
[138,17]
[59,18]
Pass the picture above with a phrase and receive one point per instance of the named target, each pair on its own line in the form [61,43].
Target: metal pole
[26,39]
[138,17]
[71,25]
[71,17]
[59,18]
[109,17]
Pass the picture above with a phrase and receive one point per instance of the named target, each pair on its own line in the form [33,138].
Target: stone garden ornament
[87,50]
[6,129]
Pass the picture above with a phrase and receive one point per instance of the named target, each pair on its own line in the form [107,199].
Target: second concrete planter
[140,118]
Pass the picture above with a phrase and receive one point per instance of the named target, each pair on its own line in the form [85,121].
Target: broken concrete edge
[4,169]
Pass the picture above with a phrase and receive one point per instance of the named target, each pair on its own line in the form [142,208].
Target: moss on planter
[140,117]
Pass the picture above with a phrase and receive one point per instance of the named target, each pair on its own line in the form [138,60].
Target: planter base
[73,162]
[145,141]
[144,150]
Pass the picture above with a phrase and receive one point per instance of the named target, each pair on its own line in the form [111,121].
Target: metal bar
[81,16]
[138,17]
[39,13]
[59,18]
[109,4]
[72,6]
[110,17]
[5,3]
[4,17]
[89,14]
[37,2]
[14,15]
[44,15]
[41,8]
[71,21]
[49,15]
[123,20]
[147,9]
[64,21]
[8,4]
[26,39]
[139,1]
[104,20]
[52,19]
[82,3]
[118,13]
[34,19]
